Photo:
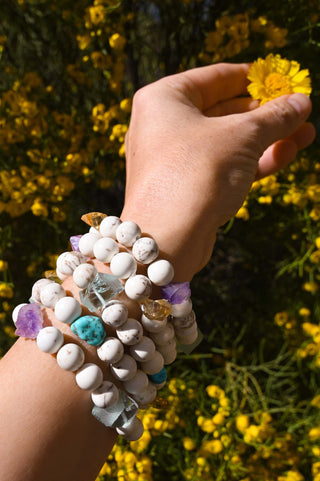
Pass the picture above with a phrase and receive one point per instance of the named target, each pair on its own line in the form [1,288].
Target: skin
[195,145]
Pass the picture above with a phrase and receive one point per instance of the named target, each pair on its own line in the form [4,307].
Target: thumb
[278,118]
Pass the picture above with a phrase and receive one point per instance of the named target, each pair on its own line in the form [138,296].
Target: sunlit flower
[275,76]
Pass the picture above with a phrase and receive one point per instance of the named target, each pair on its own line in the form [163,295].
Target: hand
[194,146]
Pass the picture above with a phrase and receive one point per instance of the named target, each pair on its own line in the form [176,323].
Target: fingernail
[299,102]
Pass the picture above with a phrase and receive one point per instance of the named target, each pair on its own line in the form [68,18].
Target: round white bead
[184,322]
[169,357]
[84,274]
[183,309]
[123,265]
[144,350]
[161,272]
[127,233]
[50,339]
[109,226]
[86,244]
[115,315]
[153,325]
[111,350]
[37,288]
[16,310]
[188,339]
[68,261]
[163,337]
[67,310]
[51,293]
[145,250]
[70,357]
[124,369]
[132,431]
[105,248]
[138,383]
[138,287]
[146,396]
[154,365]
[106,395]
[130,332]
[89,377]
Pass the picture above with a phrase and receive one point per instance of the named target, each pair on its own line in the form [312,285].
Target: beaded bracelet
[138,349]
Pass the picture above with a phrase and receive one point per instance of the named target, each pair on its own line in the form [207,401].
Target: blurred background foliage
[245,405]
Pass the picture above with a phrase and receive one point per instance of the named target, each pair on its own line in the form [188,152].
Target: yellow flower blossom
[275,76]
[242,422]
[6,290]
[188,444]
[117,41]
[3,265]
[304,312]
[243,213]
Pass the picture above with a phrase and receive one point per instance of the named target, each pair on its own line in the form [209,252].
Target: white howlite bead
[163,337]
[37,287]
[86,244]
[138,383]
[84,274]
[132,431]
[70,357]
[95,232]
[109,226]
[89,377]
[144,349]
[115,315]
[169,357]
[106,395]
[67,310]
[153,325]
[188,339]
[105,248]
[130,332]
[61,276]
[68,261]
[146,396]
[111,350]
[138,287]
[16,310]
[51,293]
[124,369]
[145,250]
[123,265]
[186,331]
[184,322]
[50,339]
[154,365]
[161,272]
[183,309]
[127,233]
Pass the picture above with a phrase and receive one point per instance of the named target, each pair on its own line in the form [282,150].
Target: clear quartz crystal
[119,414]
[101,290]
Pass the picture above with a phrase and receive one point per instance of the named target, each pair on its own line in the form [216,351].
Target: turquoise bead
[159,377]
[90,329]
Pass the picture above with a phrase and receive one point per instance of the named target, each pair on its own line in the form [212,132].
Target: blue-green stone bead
[90,329]
[159,377]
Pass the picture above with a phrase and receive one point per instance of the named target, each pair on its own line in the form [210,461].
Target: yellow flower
[6,290]
[242,422]
[188,444]
[275,76]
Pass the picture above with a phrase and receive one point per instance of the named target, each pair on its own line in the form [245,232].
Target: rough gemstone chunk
[176,292]
[90,329]
[119,414]
[159,309]
[30,321]
[101,290]
[93,219]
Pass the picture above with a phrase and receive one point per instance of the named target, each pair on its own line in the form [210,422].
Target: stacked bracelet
[138,349]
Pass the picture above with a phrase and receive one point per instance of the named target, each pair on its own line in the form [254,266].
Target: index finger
[216,83]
